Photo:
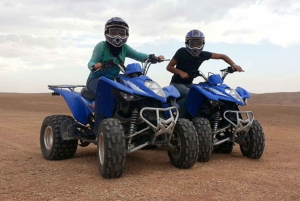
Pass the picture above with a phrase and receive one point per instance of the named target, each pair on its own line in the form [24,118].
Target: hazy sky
[50,41]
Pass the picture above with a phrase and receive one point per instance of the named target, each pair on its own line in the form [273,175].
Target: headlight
[215,103]
[128,97]
[123,96]
[234,94]
[155,88]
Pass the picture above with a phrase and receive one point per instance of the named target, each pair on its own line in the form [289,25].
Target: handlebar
[105,65]
[229,69]
[224,72]
[194,74]
[152,59]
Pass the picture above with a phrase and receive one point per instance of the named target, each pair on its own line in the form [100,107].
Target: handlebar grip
[194,74]
[153,59]
[229,69]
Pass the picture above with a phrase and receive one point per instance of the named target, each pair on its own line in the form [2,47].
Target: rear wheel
[111,150]
[255,142]
[184,139]
[52,145]
[205,138]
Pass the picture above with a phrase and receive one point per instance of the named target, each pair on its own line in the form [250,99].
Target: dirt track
[26,175]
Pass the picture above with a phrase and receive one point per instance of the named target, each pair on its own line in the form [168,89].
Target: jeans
[183,90]
[91,84]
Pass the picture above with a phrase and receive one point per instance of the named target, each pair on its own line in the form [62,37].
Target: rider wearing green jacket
[114,47]
[102,52]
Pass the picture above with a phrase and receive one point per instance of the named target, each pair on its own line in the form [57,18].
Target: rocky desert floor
[26,175]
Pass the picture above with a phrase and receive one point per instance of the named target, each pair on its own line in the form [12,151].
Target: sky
[50,42]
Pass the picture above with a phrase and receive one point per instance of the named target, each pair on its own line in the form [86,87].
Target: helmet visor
[198,43]
[113,32]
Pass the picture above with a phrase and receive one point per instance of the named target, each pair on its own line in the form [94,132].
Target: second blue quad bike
[213,107]
[138,114]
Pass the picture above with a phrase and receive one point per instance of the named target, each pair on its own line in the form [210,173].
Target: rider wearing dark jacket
[189,59]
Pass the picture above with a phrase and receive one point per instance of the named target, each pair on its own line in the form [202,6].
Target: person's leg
[98,118]
[183,90]
[91,84]
[92,87]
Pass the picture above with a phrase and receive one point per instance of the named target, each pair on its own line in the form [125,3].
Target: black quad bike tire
[184,139]
[203,129]
[52,145]
[255,142]
[111,149]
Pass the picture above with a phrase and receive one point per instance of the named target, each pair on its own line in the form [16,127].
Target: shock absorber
[216,121]
[133,121]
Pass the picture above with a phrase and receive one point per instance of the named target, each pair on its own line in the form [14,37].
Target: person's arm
[95,61]
[227,60]
[171,68]
[139,56]
[133,54]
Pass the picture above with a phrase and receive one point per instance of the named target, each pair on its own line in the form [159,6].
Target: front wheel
[52,145]
[205,138]
[255,142]
[184,139]
[111,150]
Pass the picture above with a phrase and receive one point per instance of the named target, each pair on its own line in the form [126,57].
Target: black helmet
[116,31]
[194,42]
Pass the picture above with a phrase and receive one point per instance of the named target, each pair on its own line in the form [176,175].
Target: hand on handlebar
[184,75]
[97,66]
[160,58]
[238,68]
[105,65]
[230,69]
[153,59]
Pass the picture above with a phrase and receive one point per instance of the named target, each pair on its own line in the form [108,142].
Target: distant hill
[280,98]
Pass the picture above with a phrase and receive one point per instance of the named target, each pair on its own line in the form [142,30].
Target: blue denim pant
[183,90]
[91,84]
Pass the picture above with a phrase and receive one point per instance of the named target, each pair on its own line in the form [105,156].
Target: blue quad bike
[139,114]
[213,107]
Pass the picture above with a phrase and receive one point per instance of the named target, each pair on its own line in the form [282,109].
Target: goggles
[113,32]
[198,43]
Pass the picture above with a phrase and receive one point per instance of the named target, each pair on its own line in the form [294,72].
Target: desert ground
[26,175]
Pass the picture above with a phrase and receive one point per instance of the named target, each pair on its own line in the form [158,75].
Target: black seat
[87,94]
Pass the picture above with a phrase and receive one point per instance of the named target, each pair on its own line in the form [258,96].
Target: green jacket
[101,53]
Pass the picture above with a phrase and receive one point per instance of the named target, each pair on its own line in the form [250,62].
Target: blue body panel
[215,79]
[81,107]
[78,105]
[133,68]
[195,98]
[243,92]
[137,86]
[106,102]
[171,91]
[198,92]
